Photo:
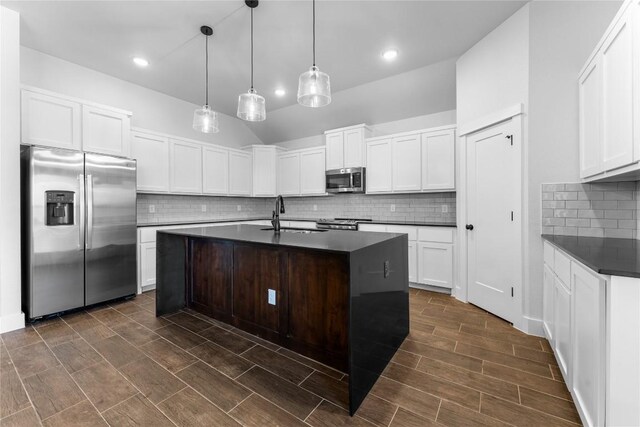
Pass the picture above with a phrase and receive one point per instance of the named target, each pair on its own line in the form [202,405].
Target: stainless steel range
[340,223]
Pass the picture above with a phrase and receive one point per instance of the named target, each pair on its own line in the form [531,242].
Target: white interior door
[493,219]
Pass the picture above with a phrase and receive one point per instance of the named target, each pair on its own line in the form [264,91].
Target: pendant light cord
[314,33]
[206,70]
[252,49]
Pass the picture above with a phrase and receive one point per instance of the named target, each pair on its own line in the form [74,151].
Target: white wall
[533,58]
[494,73]
[151,110]
[405,125]
[11,316]
[563,35]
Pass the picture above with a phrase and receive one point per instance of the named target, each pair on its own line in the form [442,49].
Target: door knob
[469,227]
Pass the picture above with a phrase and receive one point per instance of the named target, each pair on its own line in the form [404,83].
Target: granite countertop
[616,257]
[330,240]
[283,218]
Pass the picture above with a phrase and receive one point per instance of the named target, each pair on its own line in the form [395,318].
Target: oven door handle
[351,181]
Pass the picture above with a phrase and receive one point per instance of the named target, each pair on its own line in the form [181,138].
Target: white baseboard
[430,288]
[11,322]
[148,288]
[533,326]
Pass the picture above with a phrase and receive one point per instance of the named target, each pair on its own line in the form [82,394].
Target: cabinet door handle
[469,227]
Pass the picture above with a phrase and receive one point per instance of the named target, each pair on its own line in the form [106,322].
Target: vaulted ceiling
[105,35]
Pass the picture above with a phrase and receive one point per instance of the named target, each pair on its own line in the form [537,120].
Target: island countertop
[341,241]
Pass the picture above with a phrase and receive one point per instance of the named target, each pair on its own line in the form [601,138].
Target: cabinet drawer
[148,234]
[562,268]
[404,229]
[435,234]
[548,255]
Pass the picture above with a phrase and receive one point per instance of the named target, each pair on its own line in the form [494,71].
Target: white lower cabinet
[548,295]
[147,266]
[430,252]
[435,264]
[562,321]
[589,344]
[592,321]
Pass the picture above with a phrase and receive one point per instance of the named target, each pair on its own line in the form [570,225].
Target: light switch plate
[445,209]
[239,207]
[272,296]
[152,208]
[393,208]
[315,207]
[204,208]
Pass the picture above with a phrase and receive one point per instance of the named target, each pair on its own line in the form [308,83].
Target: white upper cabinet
[265,164]
[54,120]
[215,170]
[617,96]
[406,159]
[185,160]
[312,171]
[240,176]
[335,150]
[419,161]
[346,147]
[589,89]
[302,172]
[50,121]
[106,131]
[609,101]
[439,160]
[152,154]
[289,174]
[379,178]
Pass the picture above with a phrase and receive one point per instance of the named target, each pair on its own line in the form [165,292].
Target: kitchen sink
[295,230]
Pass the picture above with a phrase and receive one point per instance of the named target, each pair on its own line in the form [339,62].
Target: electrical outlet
[204,208]
[271,295]
[386,269]
[393,208]
[239,207]
[152,208]
[315,207]
[445,208]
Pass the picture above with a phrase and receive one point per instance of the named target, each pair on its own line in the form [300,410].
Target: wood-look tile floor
[119,365]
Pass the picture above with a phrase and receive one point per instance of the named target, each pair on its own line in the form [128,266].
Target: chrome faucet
[275,217]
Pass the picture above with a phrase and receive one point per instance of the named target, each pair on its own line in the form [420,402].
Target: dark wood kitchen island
[339,297]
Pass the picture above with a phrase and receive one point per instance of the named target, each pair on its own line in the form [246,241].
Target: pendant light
[314,89]
[205,120]
[251,106]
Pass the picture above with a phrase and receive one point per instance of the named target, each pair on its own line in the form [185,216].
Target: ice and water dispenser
[59,207]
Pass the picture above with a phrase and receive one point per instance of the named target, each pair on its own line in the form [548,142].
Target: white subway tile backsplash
[409,207]
[609,209]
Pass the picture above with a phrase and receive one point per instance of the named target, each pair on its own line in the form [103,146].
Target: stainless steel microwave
[347,180]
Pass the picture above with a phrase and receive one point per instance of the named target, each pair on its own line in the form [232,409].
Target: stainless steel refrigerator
[78,229]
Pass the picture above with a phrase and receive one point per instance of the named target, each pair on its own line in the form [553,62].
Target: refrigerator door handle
[80,211]
[89,211]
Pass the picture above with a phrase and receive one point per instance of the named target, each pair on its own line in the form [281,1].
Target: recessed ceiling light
[390,54]
[140,62]
[280,92]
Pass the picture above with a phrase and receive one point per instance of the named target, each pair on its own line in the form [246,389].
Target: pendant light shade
[251,106]
[314,87]
[205,120]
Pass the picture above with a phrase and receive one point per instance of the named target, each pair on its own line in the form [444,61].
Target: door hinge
[512,292]
[510,138]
